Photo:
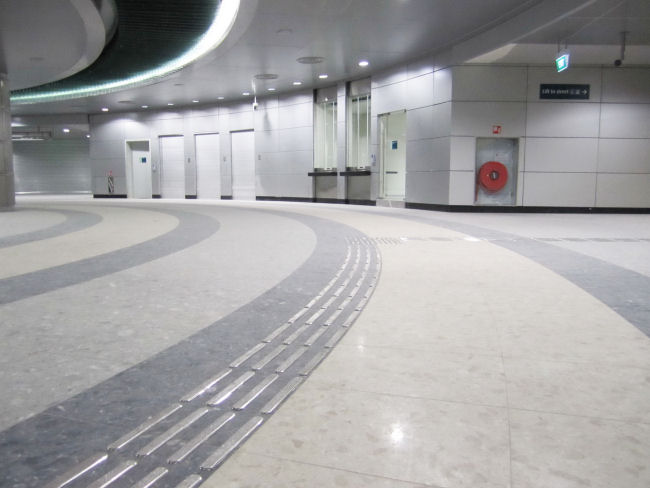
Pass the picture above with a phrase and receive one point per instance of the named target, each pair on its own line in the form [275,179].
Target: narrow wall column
[7,195]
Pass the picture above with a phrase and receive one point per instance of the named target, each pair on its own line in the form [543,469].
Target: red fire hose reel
[493,176]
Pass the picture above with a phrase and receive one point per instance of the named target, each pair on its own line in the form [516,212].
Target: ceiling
[269,36]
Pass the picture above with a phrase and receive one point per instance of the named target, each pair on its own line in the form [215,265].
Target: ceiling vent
[310,60]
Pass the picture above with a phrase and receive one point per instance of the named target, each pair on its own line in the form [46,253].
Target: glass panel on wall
[359,132]
[325,135]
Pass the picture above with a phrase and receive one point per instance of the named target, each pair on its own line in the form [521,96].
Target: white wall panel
[626,85]
[267,119]
[172,166]
[239,121]
[428,187]
[561,155]
[54,166]
[284,185]
[420,67]
[111,149]
[297,98]
[461,187]
[419,91]
[389,77]
[442,85]
[623,190]
[574,75]
[204,124]
[477,118]
[298,139]
[208,166]
[624,156]
[389,98]
[565,119]
[560,189]
[463,154]
[428,155]
[625,121]
[419,124]
[299,115]
[489,83]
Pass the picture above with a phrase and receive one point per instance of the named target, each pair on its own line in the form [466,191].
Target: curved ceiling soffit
[114,69]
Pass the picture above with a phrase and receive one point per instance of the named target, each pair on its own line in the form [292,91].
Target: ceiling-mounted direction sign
[554,91]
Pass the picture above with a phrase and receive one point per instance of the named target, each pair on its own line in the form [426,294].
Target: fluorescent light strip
[222,23]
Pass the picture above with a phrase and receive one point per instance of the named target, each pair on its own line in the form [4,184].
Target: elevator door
[243,165]
[208,167]
[393,155]
[172,169]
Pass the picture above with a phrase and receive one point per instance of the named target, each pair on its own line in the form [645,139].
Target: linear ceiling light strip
[224,19]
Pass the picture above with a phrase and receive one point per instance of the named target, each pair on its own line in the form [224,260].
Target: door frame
[381,122]
[128,165]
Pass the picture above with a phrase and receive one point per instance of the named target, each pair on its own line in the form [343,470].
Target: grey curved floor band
[43,448]
[75,221]
[192,228]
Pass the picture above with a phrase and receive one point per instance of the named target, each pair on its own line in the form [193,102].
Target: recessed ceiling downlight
[266,76]
[310,60]
[363,63]
[222,23]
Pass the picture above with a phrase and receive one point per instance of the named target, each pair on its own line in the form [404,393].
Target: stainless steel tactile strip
[268,358]
[142,428]
[299,314]
[230,389]
[345,303]
[328,303]
[79,470]
[114,474]
[314,337]
[151,478]
[274,402]
[335,338]
[247,355]
[333,317]
[172,432]
[290,360]
[200,438]
[206,386]
[191,481]
[231,444]
[295,334]
[351,318]
[314,317]
[255,392]
[277,332]
[314,362]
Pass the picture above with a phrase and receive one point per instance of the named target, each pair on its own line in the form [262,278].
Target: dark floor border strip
[47,445]
[75,221]
[534,209]
[109,195]
[192,228]
[283,199]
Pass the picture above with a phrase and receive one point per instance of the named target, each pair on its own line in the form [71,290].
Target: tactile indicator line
[171,432]
[314,362]
[255,392]
[314,337]
[206,386]
[231,444]
[230,389]
[151,478]
[247,355]
[282,367]
[142,428]
[295,335]
[113,475]
[268,358]
[78,471]
[281,395]
[200,438]
[190,482]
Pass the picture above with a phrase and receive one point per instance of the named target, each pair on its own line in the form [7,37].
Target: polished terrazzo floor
[422,348]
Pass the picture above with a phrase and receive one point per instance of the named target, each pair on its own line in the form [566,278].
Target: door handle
[391,172]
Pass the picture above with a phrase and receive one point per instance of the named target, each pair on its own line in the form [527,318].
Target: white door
[141,168]
[243,165]
[172,168]
[208,167]
[393,155]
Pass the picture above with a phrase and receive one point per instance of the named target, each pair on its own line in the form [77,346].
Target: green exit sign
[562,62]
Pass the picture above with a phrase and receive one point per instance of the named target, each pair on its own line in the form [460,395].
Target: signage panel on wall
[555,91]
